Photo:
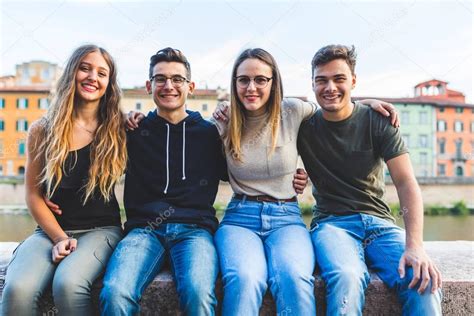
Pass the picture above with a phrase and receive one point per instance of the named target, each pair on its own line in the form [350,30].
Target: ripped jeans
[31,272]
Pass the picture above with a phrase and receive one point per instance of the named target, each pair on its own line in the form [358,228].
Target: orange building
[455,139]
[454,128]
[435,89]
[19,107]
[24,98]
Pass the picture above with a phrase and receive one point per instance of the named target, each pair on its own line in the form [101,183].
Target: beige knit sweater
[261,172]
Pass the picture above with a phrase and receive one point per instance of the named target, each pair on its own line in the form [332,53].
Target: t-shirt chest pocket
[283,159]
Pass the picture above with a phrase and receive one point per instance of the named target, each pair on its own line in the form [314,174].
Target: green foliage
[220,207]
[306,209]
[395,210]
[434,210]
[12,180]
[460,208]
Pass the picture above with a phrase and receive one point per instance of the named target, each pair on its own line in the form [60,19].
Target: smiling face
[254,99]
[332,85]
[169,97]
[92,78]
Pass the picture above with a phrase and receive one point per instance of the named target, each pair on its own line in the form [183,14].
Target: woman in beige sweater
[262,240]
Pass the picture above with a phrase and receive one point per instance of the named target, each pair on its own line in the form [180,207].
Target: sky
[399,43]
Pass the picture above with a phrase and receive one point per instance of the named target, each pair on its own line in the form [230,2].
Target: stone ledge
[454,258]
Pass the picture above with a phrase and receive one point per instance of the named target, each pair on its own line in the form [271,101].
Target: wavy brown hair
[233,137]
[108,154]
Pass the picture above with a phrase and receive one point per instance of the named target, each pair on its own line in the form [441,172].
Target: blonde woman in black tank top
[76,154]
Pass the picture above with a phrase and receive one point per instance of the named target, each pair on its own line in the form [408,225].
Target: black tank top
[70,196]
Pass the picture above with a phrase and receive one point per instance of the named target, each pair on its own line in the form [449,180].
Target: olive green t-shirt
[345,161]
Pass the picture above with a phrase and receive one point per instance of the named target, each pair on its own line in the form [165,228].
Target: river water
[17,225]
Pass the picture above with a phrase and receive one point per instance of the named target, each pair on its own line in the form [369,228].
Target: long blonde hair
[108,155]
[233,137]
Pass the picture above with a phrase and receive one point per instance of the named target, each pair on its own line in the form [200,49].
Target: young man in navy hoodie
[175,164]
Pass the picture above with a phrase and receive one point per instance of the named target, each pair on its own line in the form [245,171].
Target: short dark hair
[169,54]
[332,52]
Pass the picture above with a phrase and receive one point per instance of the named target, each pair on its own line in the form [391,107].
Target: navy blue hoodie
[173,172]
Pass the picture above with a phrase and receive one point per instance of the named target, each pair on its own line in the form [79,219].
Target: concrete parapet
[455,259]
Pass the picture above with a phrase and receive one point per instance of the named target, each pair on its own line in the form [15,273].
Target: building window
[22,103]
[138,106]
[442,146]
[458,126]
[204,107]
[9,171]
[406,140]
[22,125]
[441,169]
[21,147]
[423,141]
[405,117]
[1,170]
[459,171]
[423,117]
[423,158]
[472,127]
[2,125]
[458,144]
[43,103]
[45,74]
[2,104]
[442,126]
[21,170]
[459,110]
[441,110]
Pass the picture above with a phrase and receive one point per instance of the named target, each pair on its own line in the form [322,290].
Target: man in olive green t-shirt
[343,146]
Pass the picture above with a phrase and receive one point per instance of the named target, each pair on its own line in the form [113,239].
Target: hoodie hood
[192,118]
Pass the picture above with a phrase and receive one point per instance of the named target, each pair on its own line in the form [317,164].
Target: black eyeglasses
[176,80]
[260,81]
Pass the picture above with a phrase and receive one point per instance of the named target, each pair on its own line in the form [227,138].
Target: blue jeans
[263,244]
[31,271]
[140,256]
[346,246]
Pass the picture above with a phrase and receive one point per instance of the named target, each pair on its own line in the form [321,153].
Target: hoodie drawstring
[167,158]
[184,149]
[168,155]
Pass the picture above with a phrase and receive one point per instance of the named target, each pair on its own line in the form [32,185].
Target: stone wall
[443,194]
[454,258]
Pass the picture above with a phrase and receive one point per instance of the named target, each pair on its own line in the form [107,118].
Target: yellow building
[202,100]
[19,107]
